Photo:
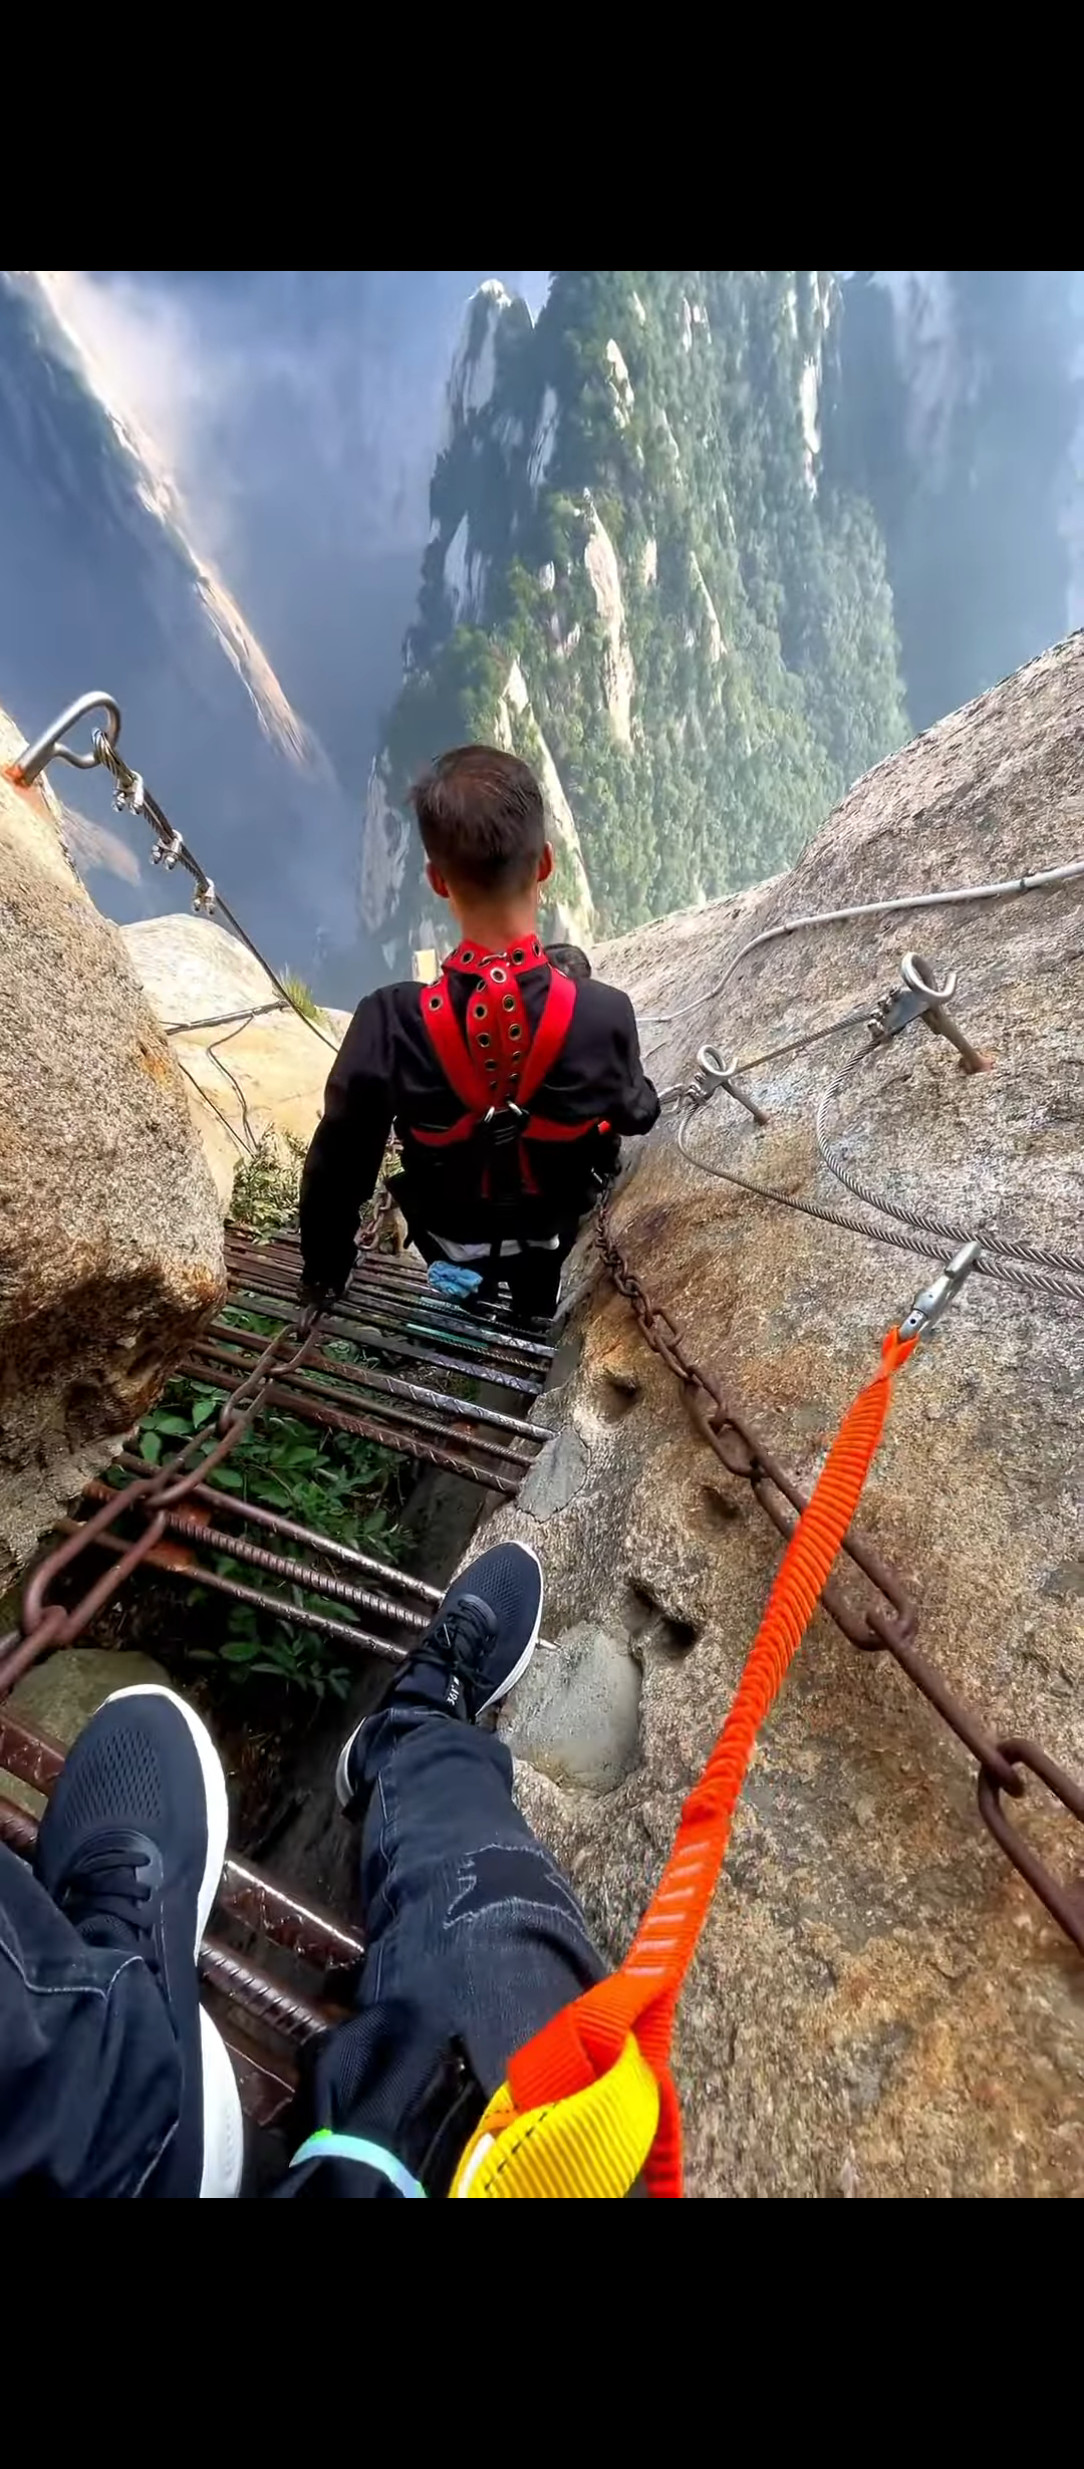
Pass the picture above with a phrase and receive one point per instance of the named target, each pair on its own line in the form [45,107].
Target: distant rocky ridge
[103,587]
[960,414]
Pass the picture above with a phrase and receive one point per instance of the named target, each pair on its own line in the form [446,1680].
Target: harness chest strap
[497,1065]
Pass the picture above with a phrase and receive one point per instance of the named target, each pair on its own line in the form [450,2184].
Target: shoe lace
[455,1640]
[107,1882]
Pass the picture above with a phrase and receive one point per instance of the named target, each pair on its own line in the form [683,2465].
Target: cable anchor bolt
[921,998]
[48,748]
[712,1073]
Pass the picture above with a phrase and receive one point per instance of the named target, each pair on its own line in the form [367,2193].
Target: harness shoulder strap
[452,1051]
[550,1035]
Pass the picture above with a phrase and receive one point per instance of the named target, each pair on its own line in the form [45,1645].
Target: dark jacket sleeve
[635,1105]
[348,1145]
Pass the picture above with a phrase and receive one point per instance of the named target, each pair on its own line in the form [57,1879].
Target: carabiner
[927,1308]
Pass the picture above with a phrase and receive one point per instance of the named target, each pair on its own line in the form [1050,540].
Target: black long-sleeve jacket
[386,1074]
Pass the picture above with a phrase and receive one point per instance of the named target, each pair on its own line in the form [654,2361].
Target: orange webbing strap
[587,2038]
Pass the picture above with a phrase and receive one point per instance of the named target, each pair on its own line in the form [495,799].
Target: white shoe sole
[343,1793]
[223,2125]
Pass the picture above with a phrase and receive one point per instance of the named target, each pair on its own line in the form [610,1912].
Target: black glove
[313,1296]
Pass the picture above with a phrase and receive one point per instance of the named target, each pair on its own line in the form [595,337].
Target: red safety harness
[497,1067]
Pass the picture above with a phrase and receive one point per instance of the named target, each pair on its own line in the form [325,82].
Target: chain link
[888,1626]
[44,1623]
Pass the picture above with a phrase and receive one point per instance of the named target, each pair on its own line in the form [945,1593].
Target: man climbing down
[570,960]
[508,1082]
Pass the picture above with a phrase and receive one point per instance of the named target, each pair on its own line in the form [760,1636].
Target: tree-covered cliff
[640,577]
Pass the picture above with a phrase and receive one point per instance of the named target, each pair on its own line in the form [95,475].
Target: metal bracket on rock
[48,748]
[922,999]
[711,1074]
[919,998]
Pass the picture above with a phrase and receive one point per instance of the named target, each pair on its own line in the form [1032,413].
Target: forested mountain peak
[645,576]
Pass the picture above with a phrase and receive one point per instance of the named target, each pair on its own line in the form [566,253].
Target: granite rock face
[879,2006]
[110,1236]
[250,1064]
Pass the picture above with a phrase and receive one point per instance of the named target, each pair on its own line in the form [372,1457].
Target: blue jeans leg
[466,1913]
[474,1940]
[90,2072]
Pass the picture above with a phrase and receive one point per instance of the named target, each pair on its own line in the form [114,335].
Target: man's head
[483,829]
[569,959]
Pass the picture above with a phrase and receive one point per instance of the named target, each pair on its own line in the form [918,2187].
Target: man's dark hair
[481,818]
[569,959]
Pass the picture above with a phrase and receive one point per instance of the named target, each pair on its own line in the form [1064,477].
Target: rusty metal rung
[253,1514]
[275,1269]
[286,1566]
[328,1375]
[437,1423]
[162,1557]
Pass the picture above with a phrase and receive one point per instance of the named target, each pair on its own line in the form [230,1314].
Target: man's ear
[436,880]
[545,863]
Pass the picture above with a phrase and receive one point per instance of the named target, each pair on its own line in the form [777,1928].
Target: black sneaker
[478,1646]
[131,1847]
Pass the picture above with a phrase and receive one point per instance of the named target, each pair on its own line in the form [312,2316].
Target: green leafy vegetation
[344,1487]
[302,997]
[659,430]
[266,1185]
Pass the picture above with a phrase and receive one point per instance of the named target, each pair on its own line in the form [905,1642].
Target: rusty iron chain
[156,1496]
[886,1626]
[45,1623]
